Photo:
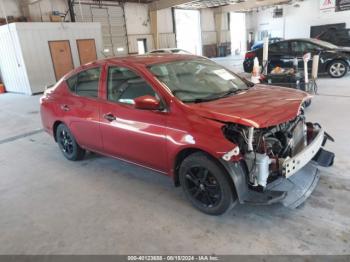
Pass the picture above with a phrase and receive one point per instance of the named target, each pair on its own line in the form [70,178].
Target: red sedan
[223,139]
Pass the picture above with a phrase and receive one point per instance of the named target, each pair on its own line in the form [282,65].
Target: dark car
[337,36]
[260,44]
[334,60]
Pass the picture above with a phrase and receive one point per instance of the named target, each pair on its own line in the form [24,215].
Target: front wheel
[68,145]
[206,185]
[337,69]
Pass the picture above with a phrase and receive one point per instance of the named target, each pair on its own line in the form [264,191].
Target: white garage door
[112,23]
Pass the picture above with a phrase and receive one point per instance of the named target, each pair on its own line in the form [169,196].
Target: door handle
[110,117]
[65,108]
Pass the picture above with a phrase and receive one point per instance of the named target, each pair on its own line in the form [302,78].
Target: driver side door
[128,133]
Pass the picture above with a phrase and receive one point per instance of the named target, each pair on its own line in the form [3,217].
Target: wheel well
[336,59]
[54,128]
[188,151]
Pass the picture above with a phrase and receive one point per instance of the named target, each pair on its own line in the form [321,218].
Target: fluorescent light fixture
[120,49]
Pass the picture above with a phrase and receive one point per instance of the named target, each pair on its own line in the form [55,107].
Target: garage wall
[208,26]
[295,22]
[40,11]
[138,26]
[111,18]
[166,29]
[12,8]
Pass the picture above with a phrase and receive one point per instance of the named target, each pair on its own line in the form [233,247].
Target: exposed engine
[264,150]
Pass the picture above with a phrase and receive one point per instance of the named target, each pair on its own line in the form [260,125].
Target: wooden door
[87,50]
[61,57]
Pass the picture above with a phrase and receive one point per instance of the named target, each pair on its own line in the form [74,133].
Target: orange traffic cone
[2,88]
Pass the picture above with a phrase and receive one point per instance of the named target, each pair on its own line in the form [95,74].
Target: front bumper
[297,187]
[292,165]
[300,178]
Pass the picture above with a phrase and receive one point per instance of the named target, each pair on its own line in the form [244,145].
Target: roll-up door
[112,25]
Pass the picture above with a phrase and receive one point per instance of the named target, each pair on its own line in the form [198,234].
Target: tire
[337,69]
[206,184]
[67,144]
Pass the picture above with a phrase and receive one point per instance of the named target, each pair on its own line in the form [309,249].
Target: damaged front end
[278,163]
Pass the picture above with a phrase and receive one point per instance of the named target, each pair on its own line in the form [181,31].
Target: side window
[85,83]
[72,83]
[124,86]
[304,47]
[311,47]
[282,47]
[273,48]
[297,47]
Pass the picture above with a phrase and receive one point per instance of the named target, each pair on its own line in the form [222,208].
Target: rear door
[279,55]
[80,107]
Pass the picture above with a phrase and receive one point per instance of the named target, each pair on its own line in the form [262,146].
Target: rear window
[85,83]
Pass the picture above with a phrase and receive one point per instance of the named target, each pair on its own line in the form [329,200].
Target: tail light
[250,55]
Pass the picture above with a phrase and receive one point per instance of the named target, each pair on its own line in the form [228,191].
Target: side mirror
[147,103]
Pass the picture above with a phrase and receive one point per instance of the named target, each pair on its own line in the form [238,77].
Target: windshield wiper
[224,94]
[211,97]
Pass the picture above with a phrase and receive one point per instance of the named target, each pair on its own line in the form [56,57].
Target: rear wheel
[68,145]
[206,184]
[337,69]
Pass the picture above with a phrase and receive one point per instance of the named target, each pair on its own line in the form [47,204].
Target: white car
[169,51]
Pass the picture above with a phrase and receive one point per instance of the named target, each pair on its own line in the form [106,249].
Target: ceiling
[208,3]
[197,4]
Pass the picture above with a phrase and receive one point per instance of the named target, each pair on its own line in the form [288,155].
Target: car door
[279,55]
[80,107]
[300,48]
[129,133]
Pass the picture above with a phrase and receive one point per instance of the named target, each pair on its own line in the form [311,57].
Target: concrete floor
[49,205]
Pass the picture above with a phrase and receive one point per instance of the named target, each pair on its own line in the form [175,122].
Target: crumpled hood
[260,106]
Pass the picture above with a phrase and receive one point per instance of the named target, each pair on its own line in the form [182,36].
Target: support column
[154,27]
[218,27]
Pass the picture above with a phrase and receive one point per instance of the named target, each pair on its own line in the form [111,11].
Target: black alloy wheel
[203,186]
[68,145]
[206,184]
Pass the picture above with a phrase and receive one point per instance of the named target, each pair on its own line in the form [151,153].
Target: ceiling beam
[250,4]
[162,4]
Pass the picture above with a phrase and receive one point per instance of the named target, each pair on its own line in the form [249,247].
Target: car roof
[148,59]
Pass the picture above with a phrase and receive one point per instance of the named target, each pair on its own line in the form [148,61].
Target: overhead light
[106,50]
[120,49]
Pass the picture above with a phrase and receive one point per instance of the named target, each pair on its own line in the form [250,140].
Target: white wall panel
[165,21]
[137,19]
[167,40]
[132,39]
[35,54]
[295,22]
[207,19]
[12,8]
[208,37]
[12,67]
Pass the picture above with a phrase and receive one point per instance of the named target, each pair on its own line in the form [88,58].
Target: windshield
[198,80]
[324,43]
